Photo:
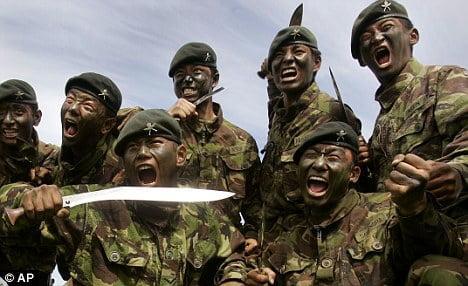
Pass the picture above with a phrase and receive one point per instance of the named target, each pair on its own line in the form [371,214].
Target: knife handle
[14,214]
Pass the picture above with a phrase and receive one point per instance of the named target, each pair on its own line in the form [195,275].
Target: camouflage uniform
[220,156]
[108,244]
[17,167]
[424,112]
[363,242]
[277,180]
[100,167]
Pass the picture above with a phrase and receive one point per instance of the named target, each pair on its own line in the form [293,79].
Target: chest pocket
[124,252]
[295,269]
[414,128]
[367,251]
[237,161]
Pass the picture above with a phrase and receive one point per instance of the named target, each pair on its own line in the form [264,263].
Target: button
[197,263]
[169,254]
[115,256]
[377,245]
[327,263]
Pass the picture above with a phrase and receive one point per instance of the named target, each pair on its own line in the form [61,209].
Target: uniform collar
[387,95]
[342,209]
[200,126]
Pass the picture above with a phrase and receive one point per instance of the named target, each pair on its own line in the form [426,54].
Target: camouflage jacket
[107,243]
[17,167]
[362,242]
[220,156]
[424,112]
[277,180]
[100,167]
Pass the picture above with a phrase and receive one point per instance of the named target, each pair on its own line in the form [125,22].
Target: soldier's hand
[364,155]
[251,245]
[183,109]
[445,182]
[40,175]
[43,202]
[264,276]
[232,283]
[407,183]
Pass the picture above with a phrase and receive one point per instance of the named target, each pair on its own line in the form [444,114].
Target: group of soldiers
[324,207]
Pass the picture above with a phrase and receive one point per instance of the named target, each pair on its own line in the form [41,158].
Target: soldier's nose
[8,118]
[319,163]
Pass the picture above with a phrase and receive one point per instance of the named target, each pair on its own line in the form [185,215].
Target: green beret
[335,132]
[290,35]
[148,123]
[195,54]
[16,90]
[99,86]
[374,12]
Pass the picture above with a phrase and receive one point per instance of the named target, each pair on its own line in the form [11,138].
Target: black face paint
[16,123]
[293,68]
[324,174]
[385,47]
[193,81]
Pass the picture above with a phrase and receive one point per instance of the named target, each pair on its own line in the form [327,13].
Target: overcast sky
[132,42]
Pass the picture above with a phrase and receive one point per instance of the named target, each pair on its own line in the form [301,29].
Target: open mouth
[188,92]
[9,133]
[382,56]
[70,128]
[288,73]
[316,186]
[146,174]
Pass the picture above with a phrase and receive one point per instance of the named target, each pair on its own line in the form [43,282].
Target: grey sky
[46,42]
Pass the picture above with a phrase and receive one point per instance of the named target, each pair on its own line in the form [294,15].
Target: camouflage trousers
[438,270]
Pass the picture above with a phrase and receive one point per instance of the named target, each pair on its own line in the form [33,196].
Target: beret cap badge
[151,127]
[207,57]
[386,6]
[104,93]
[340,135]
[19,95]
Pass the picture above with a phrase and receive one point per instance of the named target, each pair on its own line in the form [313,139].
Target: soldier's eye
[365,37]
[387,27]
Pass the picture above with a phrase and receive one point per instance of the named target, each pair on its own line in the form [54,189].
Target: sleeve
[451,115]
[428,232]
[230,249]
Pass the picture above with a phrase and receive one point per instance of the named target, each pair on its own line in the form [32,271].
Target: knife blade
[208,95]
[133,193]
[338,95]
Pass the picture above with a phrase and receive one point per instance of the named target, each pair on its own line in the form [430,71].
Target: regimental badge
[19,95]
[207,56]
[386,6]
[340,135]
[296,33]
[104,93]
[150,127]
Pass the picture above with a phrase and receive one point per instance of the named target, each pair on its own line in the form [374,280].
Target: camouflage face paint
[16,123]
[386,47]
[82,118]
[193,81]
[293,68]
[151,162]
[324,174]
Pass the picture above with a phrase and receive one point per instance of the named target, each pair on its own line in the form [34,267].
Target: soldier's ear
[37,117]
[181,155]
[317,61]
[414,36]
[108,124]
[354,174]
[215,77]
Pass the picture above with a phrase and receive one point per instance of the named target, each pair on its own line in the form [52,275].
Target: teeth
[288,71]
[144,167]
[319,179]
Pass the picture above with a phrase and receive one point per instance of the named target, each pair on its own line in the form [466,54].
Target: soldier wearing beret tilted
[293,62]
[424,109]
[343,237]
[220,155]
[136,242]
